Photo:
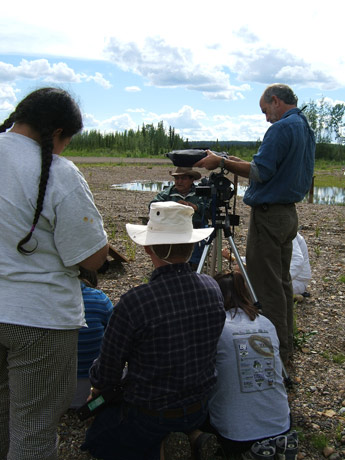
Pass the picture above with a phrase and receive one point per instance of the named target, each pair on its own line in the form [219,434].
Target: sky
[199,66]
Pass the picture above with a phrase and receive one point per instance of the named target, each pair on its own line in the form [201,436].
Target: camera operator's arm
[235,165]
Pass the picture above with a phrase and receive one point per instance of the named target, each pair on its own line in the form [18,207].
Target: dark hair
[89,277]
[172,251]
[45,110]
[282,92]
[235,293]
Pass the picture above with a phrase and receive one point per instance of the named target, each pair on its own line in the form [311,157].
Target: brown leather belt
[174,413]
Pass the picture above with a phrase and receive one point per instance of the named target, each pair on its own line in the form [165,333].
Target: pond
[322,195]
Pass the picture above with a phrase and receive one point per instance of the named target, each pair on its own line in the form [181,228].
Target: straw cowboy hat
[169,223]
[181,171]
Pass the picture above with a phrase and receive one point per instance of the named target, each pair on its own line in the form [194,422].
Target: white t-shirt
[300,267]
[249,400]
[43,289]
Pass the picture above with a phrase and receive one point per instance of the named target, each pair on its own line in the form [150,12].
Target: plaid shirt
[167,331]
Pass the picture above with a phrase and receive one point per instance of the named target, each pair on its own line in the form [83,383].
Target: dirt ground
[317,398]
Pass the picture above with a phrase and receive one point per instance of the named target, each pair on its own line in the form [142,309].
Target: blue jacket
[285,162]
[98,309]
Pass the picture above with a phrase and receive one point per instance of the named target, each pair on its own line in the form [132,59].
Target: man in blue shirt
[280,175]
[167,331]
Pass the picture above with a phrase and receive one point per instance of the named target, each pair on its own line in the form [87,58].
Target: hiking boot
[287,446]
[204,446]
[264,450]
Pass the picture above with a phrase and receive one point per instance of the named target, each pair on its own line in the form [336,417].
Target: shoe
[306,294]
[263,450]
[204,446]
[176,445]
[287,446]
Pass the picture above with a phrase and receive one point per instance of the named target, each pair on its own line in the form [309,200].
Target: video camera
[187,158]
[216,185]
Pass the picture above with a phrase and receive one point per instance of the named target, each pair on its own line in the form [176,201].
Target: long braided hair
[45,110]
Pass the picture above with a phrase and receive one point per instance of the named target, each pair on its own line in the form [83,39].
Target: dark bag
[108,397]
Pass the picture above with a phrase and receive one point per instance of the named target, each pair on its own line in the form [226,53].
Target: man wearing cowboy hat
[167,331]
[183,192]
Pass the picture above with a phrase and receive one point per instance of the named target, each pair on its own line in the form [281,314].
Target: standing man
[167,332]
[280,175]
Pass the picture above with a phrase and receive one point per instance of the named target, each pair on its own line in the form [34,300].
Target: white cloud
[185,117]
[41,69]
[138,110]
[163,65]
[36,70]
[132,89]
[90,122]
[100,80]
[118,123]
[7,97]
[330,101]
[250,127]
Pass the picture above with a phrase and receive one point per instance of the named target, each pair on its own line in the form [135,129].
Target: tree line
[145,141]
[149,140]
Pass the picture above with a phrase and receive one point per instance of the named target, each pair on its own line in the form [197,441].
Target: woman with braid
[49,226]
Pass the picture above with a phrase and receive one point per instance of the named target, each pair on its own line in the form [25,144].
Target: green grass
[300,338]
[130,247]
[338,358]
[329,180]
[319,441]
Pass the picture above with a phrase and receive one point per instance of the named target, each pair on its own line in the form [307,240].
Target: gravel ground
[317,398]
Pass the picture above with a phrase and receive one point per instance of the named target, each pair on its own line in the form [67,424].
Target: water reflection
[322,195]
[144,186]
[329,195]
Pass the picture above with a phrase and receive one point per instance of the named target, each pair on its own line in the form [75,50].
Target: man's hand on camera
[210,162]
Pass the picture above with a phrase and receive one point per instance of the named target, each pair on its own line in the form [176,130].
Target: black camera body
[216,185]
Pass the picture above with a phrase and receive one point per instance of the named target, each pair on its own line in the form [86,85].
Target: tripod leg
[214,258]
[243,271]
[203,257]
[219,250]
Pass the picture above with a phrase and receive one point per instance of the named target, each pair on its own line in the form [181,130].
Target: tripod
[222,223]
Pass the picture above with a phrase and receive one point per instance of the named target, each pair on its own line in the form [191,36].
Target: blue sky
[199,66]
